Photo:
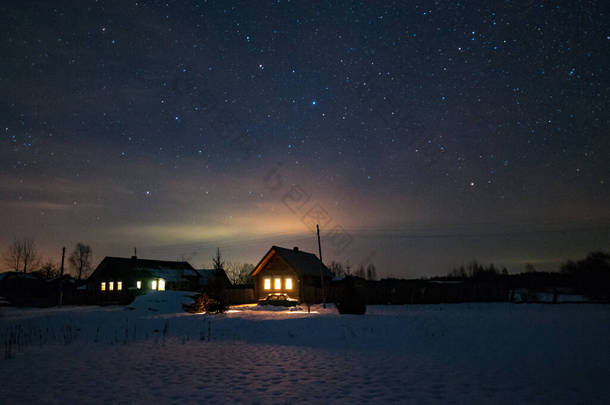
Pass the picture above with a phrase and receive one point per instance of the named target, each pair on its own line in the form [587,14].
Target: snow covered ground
[153,351]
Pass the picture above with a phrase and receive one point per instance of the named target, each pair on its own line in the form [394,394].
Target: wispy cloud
[229,229]
[45,205]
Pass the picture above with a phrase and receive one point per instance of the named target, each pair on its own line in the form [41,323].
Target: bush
[203,303]
[352,299]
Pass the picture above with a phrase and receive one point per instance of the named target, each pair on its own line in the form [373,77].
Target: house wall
[96,296]
[276,267]
[106,273]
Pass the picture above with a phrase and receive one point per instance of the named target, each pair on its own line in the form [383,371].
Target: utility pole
[321,267]
[61,276]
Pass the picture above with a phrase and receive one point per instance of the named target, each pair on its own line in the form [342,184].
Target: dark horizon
[419,138]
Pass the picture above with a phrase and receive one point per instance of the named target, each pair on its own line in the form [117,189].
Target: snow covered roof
[18,274]
[168,270]
[207,275]
[172,274]
[303,263]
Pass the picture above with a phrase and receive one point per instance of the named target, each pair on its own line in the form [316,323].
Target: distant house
[292,271]
[115,277]
[32,289]
[208,276]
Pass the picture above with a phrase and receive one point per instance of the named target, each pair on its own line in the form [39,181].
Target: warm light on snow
[276,347]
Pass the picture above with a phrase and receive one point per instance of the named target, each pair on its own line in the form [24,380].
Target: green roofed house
[293,272]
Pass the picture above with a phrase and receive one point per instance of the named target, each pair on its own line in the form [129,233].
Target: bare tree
[348,268]
[371,272]
[21,255]
[337,269]
[529,268]
[80,259]
[360,272]
[49,270]
[239,273]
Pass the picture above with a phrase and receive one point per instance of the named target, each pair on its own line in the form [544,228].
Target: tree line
[341,270]
[237,272]
[594,265]
[22,256]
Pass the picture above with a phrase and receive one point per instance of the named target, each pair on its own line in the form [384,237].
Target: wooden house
[115,279]
[296,273]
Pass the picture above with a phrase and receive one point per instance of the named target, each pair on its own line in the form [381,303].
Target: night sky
[419,137]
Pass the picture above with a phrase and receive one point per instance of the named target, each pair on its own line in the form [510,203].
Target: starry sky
[419,136]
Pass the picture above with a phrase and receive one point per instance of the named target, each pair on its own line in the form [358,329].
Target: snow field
[463,353]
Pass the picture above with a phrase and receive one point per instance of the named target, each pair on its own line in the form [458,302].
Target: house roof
[206,276]
[168,270]
[304,263]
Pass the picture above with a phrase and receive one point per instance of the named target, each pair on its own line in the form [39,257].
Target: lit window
[154,284]
[267,284]
[138,284]
[103,287]
[111,285]
[288,283]
[119,285]
[277,284]
[161,284]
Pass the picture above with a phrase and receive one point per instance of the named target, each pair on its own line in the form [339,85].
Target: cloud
[240,227]
[45,205]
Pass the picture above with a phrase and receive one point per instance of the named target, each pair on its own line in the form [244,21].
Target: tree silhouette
[239,273]
[21,255]
[217,262]
[371,272]
[80,259]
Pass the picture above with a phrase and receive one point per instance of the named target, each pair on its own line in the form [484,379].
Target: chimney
[296,248]
[135,254]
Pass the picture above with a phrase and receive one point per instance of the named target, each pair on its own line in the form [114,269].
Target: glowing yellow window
[138,284]
[154,284]
[267,284]
[161,284]
[277,283]
[103,287]
[288,283]
[111,285]
[119,285]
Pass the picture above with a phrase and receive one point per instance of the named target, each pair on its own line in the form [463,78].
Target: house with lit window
[118,279]
[300,275]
